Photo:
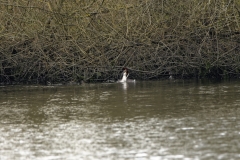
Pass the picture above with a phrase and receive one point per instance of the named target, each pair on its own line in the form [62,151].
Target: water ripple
[143,121]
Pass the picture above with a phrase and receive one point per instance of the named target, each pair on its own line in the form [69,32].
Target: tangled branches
[61,41]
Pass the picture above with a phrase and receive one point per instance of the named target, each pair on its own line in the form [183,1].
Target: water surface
[147,120]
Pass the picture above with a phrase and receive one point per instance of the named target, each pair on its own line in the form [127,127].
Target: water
[147,120]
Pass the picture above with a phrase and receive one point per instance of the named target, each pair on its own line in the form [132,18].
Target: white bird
[125,76]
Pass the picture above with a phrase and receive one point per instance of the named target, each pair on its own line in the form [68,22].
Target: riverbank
[62,41]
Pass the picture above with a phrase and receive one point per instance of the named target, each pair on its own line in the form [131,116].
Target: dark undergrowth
[62,41]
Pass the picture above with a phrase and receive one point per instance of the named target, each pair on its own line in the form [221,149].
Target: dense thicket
[62,40]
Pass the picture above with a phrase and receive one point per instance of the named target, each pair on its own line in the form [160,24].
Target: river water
[152,120]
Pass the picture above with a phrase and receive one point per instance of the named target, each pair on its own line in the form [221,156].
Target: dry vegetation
[62,40]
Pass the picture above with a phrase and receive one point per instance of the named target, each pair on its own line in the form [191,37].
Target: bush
[62,40]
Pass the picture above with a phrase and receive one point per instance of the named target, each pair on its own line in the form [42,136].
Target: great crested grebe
[125,76]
